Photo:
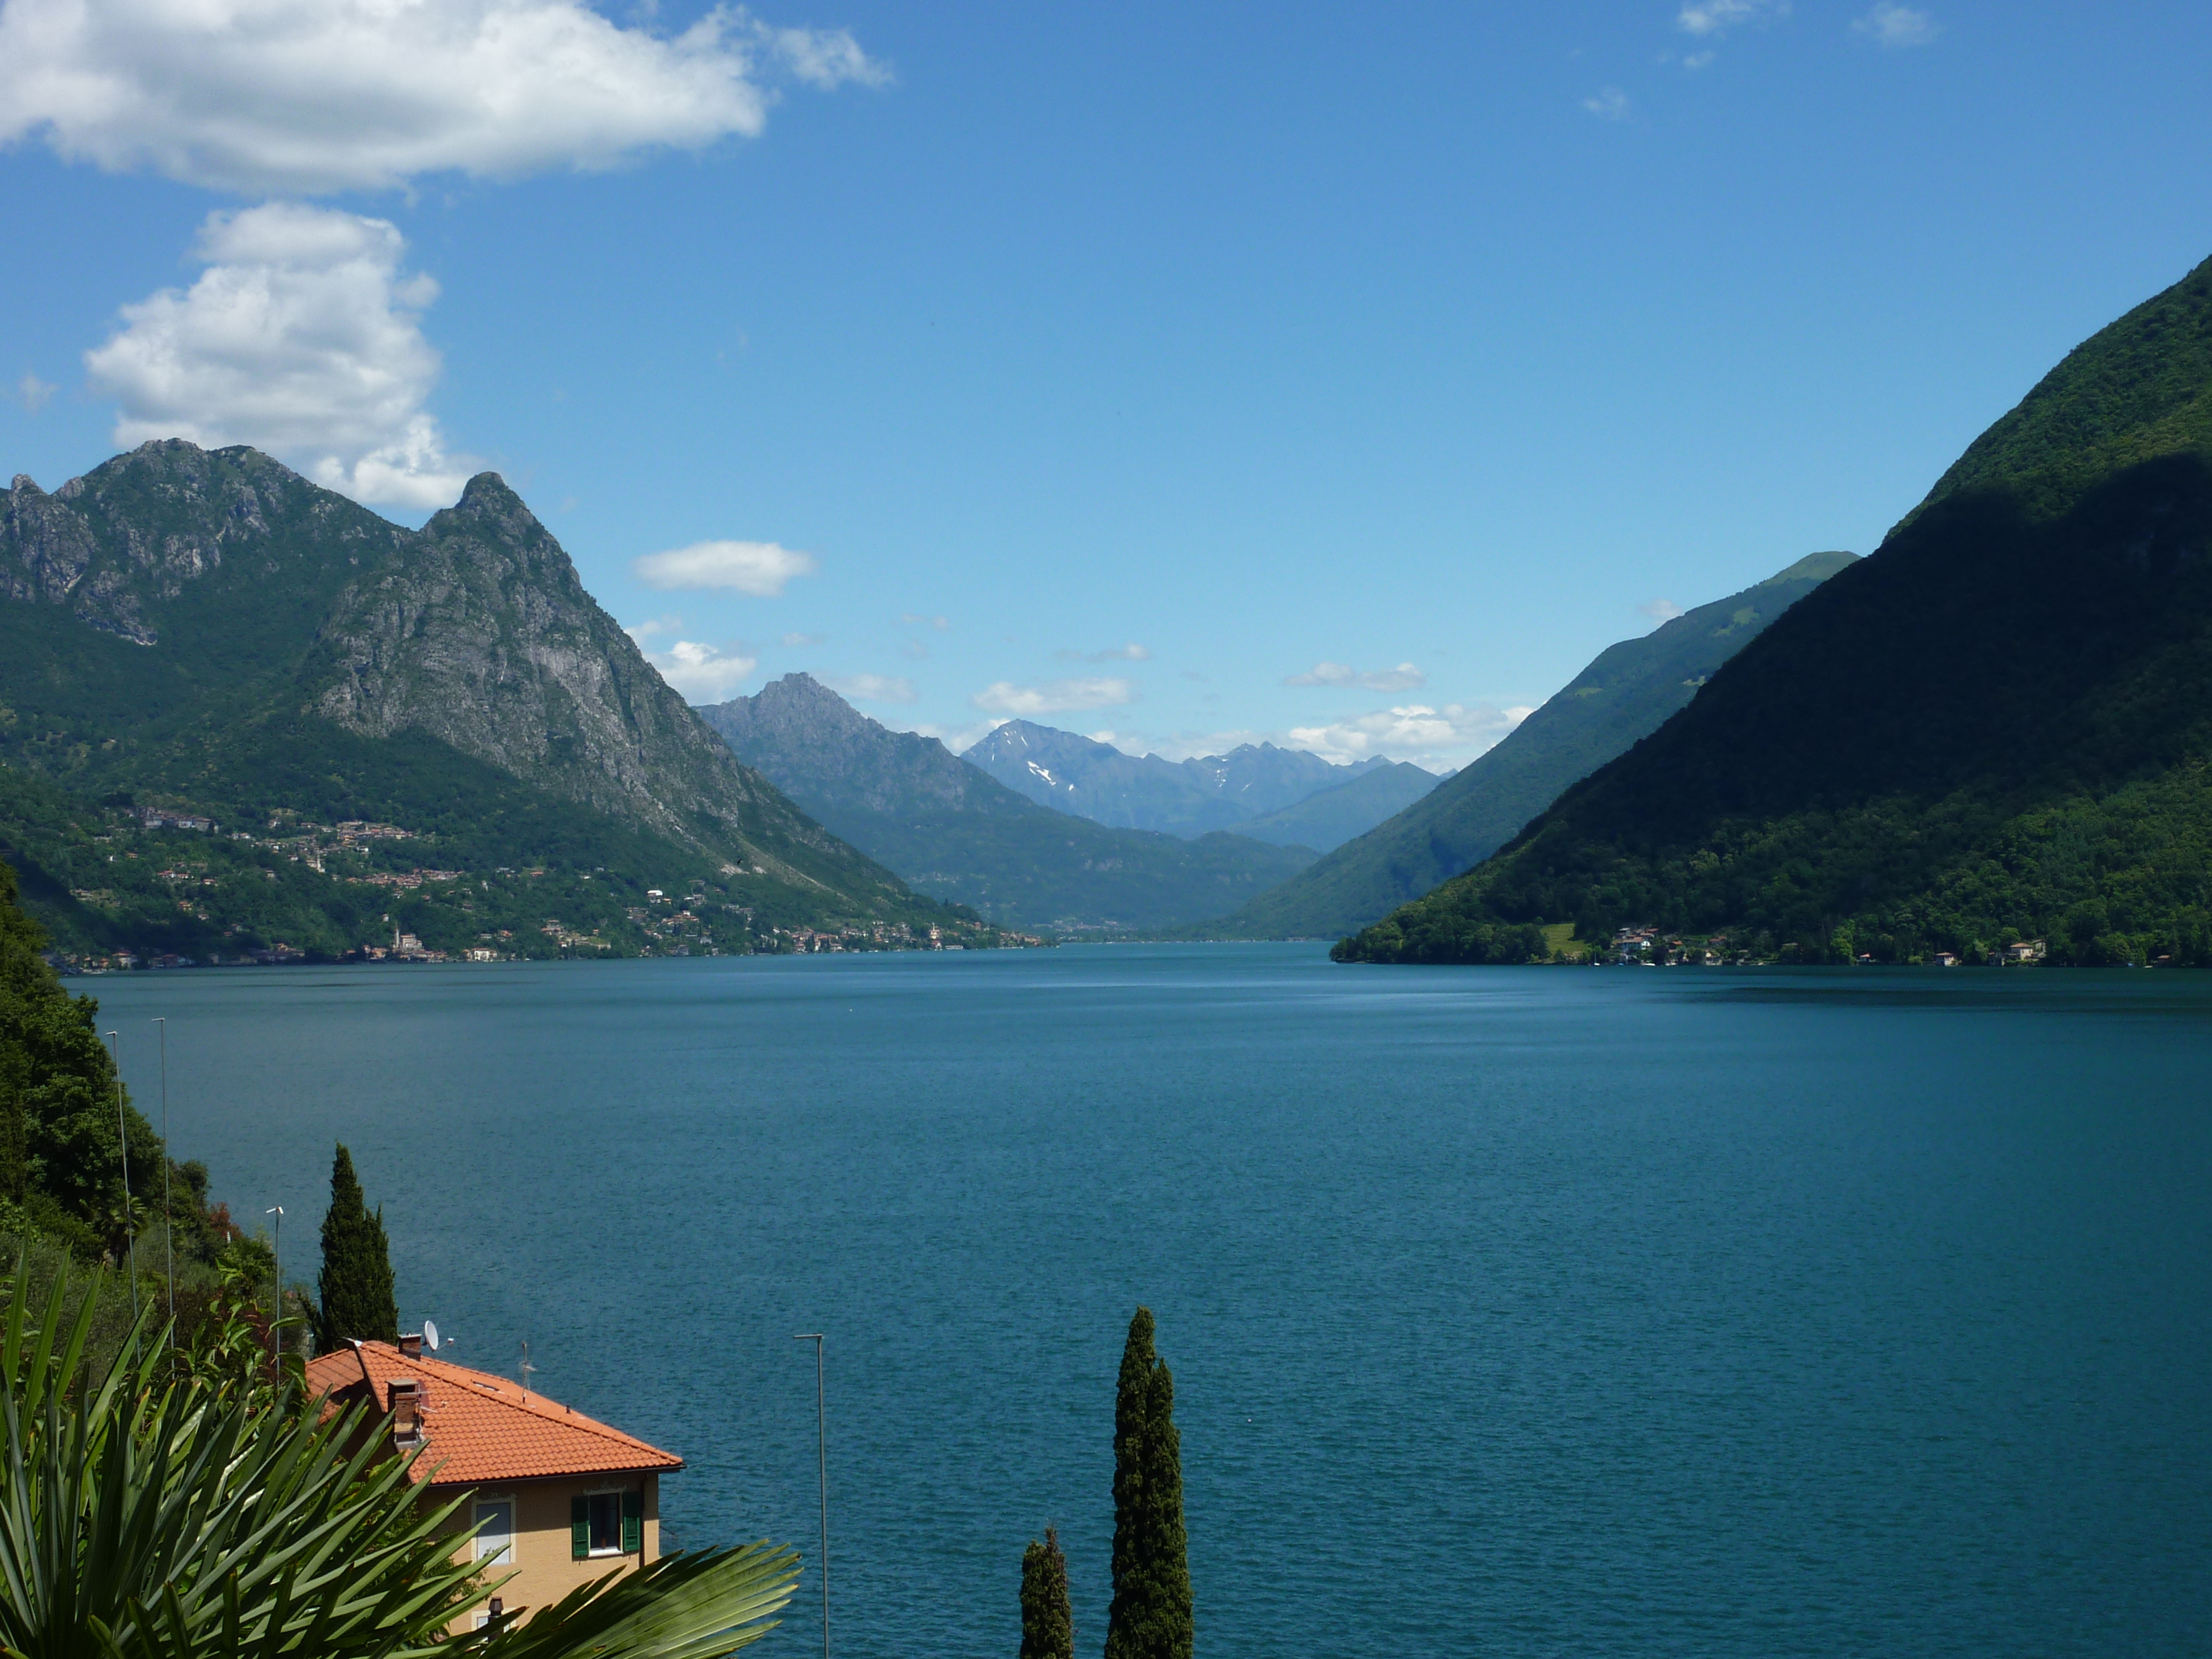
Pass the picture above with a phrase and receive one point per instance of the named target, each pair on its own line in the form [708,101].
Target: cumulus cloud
[311,96]
[1660,610]
[1130,652]
[301,337]
[870,688]
[1452,734]
[1891,25]
[1054,696]
[760,568]
[699,673]
[30,393]
[1704,18]
[1404,677]
[1610,104]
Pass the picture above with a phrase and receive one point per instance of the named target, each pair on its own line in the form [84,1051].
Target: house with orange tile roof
[557,1499]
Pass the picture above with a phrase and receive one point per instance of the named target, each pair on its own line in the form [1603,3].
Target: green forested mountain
[953,831]
[1998,727]
[208,633]
[1625,694]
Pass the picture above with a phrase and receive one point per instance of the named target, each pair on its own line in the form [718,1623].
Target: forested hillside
[1996,728]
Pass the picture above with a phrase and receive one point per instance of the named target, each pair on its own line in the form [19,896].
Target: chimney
[410,1346]
[406,1411]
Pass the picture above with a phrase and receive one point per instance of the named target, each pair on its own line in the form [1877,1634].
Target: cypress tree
[1150,1614]
[355,1286]
[1048,1621]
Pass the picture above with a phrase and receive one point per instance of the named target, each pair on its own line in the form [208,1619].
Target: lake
[1512,1311]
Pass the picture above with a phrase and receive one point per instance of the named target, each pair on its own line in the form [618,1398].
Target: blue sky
[1192,374]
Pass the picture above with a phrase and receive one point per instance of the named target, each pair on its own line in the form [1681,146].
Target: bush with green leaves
[146,1514]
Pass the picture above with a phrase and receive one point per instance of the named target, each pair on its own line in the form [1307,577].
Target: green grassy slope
[1998,726]
[1625,694]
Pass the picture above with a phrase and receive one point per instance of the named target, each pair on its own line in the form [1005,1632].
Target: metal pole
[168,1212]
[821,1464]
[123,1142]
[275,1342]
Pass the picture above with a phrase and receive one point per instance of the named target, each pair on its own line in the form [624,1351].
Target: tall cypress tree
[1150,1614]
[356,1285]
[1048,1621]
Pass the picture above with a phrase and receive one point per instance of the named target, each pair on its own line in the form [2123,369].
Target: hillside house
[560,1499]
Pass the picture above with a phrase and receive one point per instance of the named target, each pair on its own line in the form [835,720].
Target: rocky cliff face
[257,595]
[123,547]
[479,632]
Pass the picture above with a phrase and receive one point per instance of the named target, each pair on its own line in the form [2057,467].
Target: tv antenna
[430,1335]
[527,1368]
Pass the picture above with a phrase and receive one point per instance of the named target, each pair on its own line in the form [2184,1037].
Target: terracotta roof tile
[478,1428]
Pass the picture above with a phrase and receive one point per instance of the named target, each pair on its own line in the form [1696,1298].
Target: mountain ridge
[1627,692]
[1085,778]
[954,831]
[211,628]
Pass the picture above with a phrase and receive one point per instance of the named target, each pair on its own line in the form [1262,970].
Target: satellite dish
[430,1335]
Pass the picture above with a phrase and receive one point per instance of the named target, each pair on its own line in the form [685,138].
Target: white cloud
[1660,610]
[941,623]
[699,673]
[1610,105]
[1897,25]
[1053,697]
[310,96]
[756,568]
[1130,652]
[1404,677]
[300,337]
[870,688]
[30,393]
[1452,734]
[802,639]
[1704,18]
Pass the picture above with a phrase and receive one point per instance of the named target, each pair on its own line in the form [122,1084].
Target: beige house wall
[545,1568]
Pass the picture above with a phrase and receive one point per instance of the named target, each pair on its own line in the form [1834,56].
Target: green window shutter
[580,1528]
[634,1523]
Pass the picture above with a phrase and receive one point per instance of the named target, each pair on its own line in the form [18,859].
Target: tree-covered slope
[2140,388]
[209,631]
[1627,692]
[1998,727]
[953,831]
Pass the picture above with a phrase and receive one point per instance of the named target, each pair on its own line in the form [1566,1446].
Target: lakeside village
[1647,947]
[276,896]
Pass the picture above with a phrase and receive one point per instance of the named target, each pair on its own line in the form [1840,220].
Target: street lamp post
[276,1249]
[168,1212]
[822,1464]
[123,1145]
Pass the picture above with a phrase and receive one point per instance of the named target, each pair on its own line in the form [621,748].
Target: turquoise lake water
[1512,1311]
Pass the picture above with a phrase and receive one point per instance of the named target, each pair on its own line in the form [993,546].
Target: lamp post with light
[276,1249]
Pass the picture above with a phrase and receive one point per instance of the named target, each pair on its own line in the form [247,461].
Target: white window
[606,1523]
[496,1532]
